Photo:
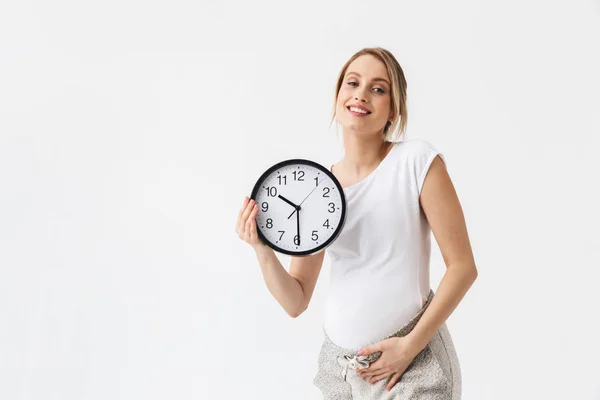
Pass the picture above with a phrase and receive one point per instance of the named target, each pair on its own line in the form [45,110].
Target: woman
[385,331]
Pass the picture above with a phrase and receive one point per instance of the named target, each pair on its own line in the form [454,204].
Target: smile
[358,112]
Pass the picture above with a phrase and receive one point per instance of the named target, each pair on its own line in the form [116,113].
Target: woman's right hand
[246,224]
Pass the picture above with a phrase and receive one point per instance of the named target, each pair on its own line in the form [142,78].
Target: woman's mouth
[358,111]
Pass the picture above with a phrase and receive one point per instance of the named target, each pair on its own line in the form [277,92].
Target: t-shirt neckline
[368,177]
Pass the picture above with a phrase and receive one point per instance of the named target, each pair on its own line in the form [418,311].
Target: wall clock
[302,207]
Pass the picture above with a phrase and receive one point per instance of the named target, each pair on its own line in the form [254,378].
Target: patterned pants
[433,374]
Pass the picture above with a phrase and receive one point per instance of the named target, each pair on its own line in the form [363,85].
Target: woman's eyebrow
[374,79]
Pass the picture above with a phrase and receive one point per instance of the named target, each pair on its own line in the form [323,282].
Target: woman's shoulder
[416,145]
[415,149]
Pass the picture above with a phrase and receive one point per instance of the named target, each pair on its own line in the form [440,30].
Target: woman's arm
[292,290]
[442,208]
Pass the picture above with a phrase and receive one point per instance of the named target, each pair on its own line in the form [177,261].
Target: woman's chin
[359,129]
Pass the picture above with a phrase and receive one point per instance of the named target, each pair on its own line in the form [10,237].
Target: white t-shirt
[380,260]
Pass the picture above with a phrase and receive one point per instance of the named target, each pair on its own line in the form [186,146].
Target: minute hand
[307,196]
[298,224]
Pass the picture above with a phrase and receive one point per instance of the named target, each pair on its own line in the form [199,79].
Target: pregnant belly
[353,320]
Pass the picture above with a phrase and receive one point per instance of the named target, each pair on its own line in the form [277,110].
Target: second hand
[306,197]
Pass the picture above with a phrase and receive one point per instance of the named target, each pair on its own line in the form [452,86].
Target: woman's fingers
[239,222]
[246,198]
[243,216]
[251,223]
[377,378]
[248,210]
[371,371]
[246,222]
[246,215]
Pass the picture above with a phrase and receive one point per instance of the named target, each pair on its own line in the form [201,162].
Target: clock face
[301,207]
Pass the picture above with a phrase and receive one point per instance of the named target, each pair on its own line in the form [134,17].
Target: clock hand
[297,208]
[298,224]
[287,201]
[307,196]
[311,192]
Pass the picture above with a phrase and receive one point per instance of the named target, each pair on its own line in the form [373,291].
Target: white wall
[131,131]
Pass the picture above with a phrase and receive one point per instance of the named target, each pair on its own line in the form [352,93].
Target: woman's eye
[380,90]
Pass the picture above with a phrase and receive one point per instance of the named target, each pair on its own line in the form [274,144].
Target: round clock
[301,207]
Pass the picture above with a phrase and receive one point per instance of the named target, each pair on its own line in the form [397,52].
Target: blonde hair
[397,127]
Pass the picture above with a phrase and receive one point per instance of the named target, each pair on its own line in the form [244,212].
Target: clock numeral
[296,240]
[300,176]
[326,190]
[269,223]
[284,179]
[314,236]
[271,191]
[317,181]
[332,207]
[326,223]
[282,232]
[265,206]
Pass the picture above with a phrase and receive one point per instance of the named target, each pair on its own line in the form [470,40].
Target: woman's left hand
[396,355]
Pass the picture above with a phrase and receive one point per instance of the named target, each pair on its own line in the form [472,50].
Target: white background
[131,131]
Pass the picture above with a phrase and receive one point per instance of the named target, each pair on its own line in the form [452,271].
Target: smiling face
[364,103]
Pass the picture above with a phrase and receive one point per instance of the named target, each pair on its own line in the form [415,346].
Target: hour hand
[287,201]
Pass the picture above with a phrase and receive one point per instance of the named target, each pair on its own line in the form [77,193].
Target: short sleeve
[424,154]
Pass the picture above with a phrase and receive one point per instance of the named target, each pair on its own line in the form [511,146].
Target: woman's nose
[360,95]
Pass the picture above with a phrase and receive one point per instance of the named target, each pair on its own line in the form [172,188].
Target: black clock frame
[279,165]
